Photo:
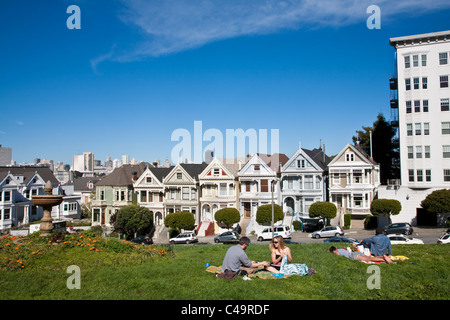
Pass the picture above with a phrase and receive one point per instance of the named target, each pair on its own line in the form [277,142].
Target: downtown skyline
[137,71]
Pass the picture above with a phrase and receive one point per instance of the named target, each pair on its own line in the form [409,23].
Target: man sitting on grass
[355,255]
[236,260]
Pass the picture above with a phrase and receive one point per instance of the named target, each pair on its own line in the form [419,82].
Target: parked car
[142,240]
[188,237]
[341,239]
[330,231]
[311,225]
[266,234]
[401,239]
[444,239]
[228,236]
[398,228]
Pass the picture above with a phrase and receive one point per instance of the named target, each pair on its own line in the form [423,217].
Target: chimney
[324,153]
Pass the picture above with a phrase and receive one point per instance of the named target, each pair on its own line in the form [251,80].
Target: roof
[122,176]
[194,169]
[317,155]
[273,160]
[82,183]
[161,172]
[444,35]
[28,172]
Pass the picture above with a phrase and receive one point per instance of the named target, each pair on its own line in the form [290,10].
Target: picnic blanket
[259,274]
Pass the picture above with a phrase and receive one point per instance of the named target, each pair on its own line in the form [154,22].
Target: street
[427,235]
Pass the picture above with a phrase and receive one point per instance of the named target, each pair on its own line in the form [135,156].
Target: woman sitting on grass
[278,249]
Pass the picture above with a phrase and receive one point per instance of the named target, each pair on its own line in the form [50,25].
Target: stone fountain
[47,201]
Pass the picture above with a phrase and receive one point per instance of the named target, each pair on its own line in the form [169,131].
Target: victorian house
[115,191]
[304,181]
[219,188]
[17,186]
[354,181]
[150,192]
[182,189]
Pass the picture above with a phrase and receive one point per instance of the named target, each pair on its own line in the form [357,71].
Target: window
[424,83]
[357,200]
[122,195]
[309,183]
[425,105]
[445,105]
[416,105]
[216,171]
[418,152]
[256,167]
[247,186]
[428,175]
[418,129]
[357,177]
[7,214]
[416,83]
[223,189]
[161,197]
[300,163]
[143,196]
[150,197]
[445,127]
[208,190]
[290,183]
[185,193]
[264,185]
[149,179]
[443,58]
[179,175]
[407,62]
[102,195]
[424,60]
[447,175]
[443,81]
[193,194]
[409,129]
[415,60]
[419,175]
[410,152]
[427,152]
[446,151]
[7,195]
[426,128]
[411,175]
[350,156]
[408,84]
[336,178]
[408,107]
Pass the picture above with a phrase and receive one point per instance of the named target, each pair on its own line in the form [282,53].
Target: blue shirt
[379,244]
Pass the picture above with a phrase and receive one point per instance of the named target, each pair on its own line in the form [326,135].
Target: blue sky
[138,70]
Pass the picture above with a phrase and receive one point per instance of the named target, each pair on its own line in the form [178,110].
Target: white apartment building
[423,71]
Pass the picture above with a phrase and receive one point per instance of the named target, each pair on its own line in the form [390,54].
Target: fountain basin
[47,200]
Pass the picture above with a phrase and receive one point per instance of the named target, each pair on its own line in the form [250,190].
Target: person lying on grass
[355,255]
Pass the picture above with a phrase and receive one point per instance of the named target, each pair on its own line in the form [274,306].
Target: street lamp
[272,188]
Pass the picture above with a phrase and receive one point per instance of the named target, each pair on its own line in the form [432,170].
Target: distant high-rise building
[5,156]
[84,163]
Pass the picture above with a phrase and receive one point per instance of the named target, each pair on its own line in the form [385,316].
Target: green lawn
[119,271]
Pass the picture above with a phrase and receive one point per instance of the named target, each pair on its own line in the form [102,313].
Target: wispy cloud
[172,26]
[20,123]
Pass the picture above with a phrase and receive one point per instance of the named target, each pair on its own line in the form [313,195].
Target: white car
[330,231]
[266,234]
[444,239]
[188,237]
[401,239]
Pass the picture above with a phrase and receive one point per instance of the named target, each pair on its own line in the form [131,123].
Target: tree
[180,220]
[384,149]
[438,202]
[228,216]
[324,210]
[264,213]
[134,220]
[385,207]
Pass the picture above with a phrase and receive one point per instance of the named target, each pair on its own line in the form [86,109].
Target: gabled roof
[317,155]
[194,169]
[161,172]
[122,176]
[82,183]
[356,149]
[230,170]
[28,173]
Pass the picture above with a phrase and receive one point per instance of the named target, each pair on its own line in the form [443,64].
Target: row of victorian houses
[349,181]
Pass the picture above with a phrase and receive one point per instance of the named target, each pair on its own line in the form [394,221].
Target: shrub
[228,216]
[437,202]
[371,222]
[297,225]
[347,220]
[324,210]
[180,220]
[264,213]
[385,207]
